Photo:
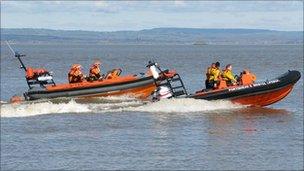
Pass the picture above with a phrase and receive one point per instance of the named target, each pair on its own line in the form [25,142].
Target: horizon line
[152,28]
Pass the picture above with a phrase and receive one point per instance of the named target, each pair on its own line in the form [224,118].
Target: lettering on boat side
[254,85]
[76,85]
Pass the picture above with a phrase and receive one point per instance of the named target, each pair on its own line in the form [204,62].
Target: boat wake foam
[32,109]
[114,104]
[185,105]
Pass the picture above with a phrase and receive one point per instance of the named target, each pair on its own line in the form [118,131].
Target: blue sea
[127,133]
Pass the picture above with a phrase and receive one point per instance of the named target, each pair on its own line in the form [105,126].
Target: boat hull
[258,94]
[141,88]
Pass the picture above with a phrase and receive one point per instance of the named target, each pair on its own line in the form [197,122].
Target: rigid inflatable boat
[157,84]
[256,94]
[139,86]
[245,93]
[41,84]
[132,85]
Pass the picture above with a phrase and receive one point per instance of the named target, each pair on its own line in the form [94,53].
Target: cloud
[179,3]
[101,4]
[122,15]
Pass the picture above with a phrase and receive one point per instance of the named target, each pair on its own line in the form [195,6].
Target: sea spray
[115,104]
[32,109]
[185,105]
[93,105]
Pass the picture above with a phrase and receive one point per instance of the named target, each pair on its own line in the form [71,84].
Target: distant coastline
[156,36]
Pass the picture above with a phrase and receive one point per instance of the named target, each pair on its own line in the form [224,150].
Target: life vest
[228,76]
[113,74]
[33,73]
[75,76]
[247,78]
[222,84]
[214,74]
[94,72]
[208,73]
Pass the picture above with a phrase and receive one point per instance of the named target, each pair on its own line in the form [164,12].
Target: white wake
[114,104]
[185,105]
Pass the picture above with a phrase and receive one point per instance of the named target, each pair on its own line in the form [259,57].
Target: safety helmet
[76,66]
[97,62]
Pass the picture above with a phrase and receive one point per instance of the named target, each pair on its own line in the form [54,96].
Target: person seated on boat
[95,73]
[214,75]
[228,75]
[247,77]
[75,75]
[114,73]
[208,73]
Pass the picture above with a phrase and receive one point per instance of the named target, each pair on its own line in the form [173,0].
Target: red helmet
[76,66]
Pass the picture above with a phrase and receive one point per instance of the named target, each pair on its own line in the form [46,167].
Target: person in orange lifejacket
[228,75]
[113,73]
[208,74]
[75,75]
[95,73]
[247,77]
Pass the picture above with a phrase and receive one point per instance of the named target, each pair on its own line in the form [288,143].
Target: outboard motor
[169,84]
[162,92]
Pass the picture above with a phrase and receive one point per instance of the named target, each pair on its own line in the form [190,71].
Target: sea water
[127,133]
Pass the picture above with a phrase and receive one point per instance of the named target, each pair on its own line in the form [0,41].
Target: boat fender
[45,78]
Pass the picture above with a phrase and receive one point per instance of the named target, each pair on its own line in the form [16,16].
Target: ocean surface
[126,133]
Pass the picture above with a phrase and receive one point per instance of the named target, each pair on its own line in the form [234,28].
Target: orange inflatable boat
[140,86]
[41,84]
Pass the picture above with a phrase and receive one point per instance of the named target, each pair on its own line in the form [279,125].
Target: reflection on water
[244,119]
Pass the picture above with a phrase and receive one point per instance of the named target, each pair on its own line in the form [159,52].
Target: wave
[2,102]
[32,109]
[185,105]
[114,104]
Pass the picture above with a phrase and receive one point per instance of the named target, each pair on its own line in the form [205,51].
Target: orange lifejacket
[247,78]
[222,84]
[113,74]
[75,76]
[94,72]
[32,73]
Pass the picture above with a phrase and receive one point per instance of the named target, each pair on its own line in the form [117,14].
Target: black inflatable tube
[289,78]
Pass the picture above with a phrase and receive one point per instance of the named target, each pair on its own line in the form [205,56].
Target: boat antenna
[17,55]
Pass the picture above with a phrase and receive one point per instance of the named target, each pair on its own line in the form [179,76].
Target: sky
[138,15]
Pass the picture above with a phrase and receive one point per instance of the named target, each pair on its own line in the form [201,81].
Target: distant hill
[155,36]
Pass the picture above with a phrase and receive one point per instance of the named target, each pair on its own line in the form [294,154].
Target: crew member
[214,75]
[247,77]
[228,75]
[75,75]
[95,71]
[208,74]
